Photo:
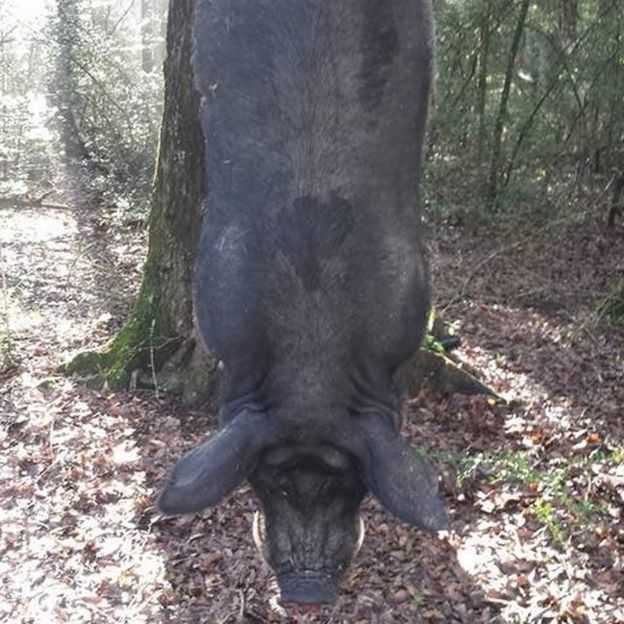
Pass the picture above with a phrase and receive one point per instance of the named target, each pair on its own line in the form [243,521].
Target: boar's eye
[328,486]
[334,458]
[280,456]
[284,484]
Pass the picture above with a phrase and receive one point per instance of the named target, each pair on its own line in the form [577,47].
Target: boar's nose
[307,588]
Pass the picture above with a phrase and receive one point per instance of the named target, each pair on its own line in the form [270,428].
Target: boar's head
[310,491]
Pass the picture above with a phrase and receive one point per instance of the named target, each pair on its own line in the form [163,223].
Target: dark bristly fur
[311,283]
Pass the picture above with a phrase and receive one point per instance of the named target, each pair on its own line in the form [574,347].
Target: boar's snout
[307,588]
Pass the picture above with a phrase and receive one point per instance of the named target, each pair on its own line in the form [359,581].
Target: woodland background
[527,112]
[523,196]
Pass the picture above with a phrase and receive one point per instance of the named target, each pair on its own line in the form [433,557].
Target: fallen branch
[443,376]
[31,202]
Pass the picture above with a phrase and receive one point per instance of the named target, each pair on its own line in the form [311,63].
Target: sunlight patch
[125,453]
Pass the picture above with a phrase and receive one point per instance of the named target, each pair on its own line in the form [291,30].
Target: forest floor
[534,484]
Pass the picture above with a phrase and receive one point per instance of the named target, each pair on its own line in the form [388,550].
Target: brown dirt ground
[534,486]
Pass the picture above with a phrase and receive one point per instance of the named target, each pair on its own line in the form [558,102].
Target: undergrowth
[612,307]
[554,502]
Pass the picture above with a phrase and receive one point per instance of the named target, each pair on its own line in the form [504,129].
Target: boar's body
[311,283]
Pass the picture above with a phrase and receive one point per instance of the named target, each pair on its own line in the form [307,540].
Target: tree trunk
[484,53]
[158,346]
[67,39]
[495,166]
[160,26]
[616,202]
[147,35]
[569,21]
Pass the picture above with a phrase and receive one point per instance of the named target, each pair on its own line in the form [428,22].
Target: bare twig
[478,266]
[39,200]
[79,255]
[121,19]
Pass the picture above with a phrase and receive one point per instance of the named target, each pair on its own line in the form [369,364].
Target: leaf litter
[534,485]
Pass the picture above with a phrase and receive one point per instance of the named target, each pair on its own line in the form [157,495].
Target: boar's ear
[404,483]
[212,470]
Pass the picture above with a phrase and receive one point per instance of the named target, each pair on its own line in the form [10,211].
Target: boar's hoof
[308,587]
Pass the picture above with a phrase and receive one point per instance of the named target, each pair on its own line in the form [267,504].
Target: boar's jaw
[258,532]
[309,528]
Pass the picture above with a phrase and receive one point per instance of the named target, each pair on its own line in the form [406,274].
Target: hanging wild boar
[311,282]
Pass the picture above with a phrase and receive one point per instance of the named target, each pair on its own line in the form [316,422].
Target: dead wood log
[443,375]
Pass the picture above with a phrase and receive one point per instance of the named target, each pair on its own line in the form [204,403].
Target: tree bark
[160,25]
[158,346]
[484,53]
[67,39]
[616,202]
[569,20]
[501,117]
[147,35]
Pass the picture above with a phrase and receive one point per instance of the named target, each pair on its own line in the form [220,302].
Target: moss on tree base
[192,373]
[143,355]
[189,372]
